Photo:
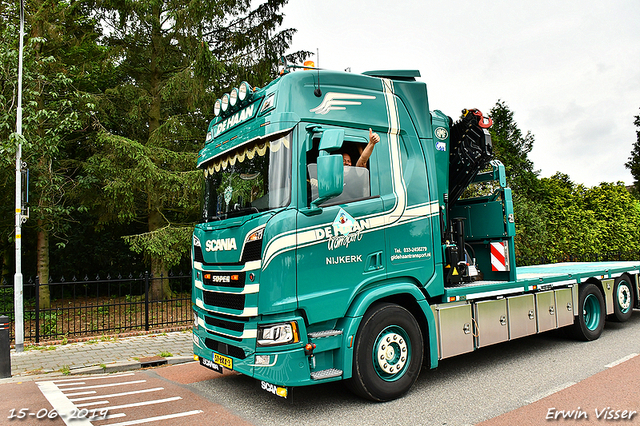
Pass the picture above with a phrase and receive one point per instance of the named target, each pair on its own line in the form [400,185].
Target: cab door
[340,246]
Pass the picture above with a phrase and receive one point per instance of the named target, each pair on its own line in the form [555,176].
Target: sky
[569,70]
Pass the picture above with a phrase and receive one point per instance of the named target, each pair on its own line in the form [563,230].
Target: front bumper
[284,366]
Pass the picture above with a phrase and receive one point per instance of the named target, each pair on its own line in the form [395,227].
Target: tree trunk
[159,286]
[43,265]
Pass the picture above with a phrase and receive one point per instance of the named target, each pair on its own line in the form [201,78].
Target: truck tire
[589,322]
[622,299]
[387,353]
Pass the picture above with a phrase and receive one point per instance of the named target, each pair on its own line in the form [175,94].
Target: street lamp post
[17,282]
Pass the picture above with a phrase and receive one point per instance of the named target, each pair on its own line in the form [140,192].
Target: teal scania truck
[308,271]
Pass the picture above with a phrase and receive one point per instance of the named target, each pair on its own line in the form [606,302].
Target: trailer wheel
[589,323]
[622,299]
[387,354]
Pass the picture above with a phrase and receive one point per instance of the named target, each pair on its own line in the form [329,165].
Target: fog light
[263,359]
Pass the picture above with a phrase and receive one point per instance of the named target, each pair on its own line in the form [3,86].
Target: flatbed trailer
[543,298]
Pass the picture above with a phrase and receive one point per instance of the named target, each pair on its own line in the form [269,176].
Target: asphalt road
[465,390]
[514,383]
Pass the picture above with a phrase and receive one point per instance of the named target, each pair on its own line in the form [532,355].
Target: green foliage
[588,223]
[511,147]
[168,243]
[49,323]
[557,219]
[634,160]
[171,61]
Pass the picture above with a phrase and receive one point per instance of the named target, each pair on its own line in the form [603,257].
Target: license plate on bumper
[216,362]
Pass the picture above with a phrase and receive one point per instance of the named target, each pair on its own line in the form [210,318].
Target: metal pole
[5,348]
[37,309]
[17,282]
[146,300]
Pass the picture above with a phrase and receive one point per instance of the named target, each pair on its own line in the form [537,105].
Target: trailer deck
[540,277]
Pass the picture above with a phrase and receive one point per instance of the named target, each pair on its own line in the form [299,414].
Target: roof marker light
[233,97]
[225,102]
[244,91]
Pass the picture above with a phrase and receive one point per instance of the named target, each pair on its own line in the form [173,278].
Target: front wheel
[387,354]
[622,299]
[589,322]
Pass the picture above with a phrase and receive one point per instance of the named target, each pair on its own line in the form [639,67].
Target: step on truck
[307,270]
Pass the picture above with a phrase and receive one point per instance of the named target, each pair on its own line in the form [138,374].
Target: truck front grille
[197,254]
[224,349]
[252,251]
[224,323]
[224,300]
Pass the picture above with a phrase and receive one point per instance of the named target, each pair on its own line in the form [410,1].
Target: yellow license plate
[223,361]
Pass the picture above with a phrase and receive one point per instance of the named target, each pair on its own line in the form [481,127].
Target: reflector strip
[498,258]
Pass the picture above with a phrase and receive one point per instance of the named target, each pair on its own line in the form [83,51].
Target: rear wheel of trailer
[589,322]
[622,299]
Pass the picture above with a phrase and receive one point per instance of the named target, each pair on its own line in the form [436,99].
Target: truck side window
[357,183]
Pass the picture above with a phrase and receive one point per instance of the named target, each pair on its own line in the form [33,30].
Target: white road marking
[78,393]
[116,394]
[140,404]
[621,360]
[114,416]
[154,419]
[107,385]
[66,407]
[61,404]
[87,404]
[102,376]
[549,392]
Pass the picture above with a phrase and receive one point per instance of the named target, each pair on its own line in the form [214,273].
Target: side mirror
[330,178]
[331,140]
[330,168]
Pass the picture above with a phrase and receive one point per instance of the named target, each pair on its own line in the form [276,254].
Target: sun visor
[248,151]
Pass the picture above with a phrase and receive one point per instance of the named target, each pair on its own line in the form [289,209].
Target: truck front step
[326,333]
[326,374]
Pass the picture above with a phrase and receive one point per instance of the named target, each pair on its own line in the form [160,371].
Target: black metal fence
[94,307]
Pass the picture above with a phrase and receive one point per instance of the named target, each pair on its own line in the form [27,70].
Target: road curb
[121,366]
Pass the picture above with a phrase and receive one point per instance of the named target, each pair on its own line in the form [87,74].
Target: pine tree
[512,148]
[634,160]
[173,60]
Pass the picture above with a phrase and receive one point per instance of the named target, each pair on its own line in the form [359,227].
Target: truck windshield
[253,178]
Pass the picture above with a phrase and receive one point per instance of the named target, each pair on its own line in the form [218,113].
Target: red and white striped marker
[498,257]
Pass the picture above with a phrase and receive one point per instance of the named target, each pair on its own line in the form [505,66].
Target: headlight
[278,334]
[257,235]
